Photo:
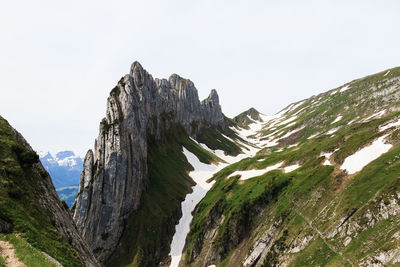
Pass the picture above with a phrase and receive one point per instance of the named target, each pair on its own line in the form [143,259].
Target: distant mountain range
[65,169]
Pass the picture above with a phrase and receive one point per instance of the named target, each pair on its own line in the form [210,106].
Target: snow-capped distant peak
[64,168]
[69,161]
[65,154]
[62,159]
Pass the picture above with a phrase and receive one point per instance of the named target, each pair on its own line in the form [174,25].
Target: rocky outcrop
[261,247]
[247,117]
[115,174]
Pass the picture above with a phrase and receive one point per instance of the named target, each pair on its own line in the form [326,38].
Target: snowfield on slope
[327,156]
[291,168]
[376,115]
[338,118]
[390,125]
[202,172]
[247,174]
[356,162]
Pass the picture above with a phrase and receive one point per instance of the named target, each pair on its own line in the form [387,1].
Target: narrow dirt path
[7,251]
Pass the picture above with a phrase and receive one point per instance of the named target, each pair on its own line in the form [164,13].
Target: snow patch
[364,156]
[250,118]
[291,168]
[352,121]
[202,172]
[390,125]
[300,111]
[312,136]
[386,73]
[288,120]
[296,105]
[267,118]
[268,143]
[327,155]
[245,133]
[290,124]
[334,92]
[289,108]
[338,118]
[291,132]
[332,131]
[247,174]
[344,88]
[375,115]
[327,162]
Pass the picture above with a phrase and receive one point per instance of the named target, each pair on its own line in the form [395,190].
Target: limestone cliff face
[115,173]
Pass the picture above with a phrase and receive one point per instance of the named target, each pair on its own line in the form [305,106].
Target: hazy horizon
[60,60]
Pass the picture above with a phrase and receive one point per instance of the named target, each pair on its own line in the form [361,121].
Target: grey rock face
[115,174]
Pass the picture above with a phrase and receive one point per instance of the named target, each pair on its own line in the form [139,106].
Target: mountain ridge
[301,196]
[140,112]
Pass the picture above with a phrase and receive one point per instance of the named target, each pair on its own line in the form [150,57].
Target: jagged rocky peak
[253,113]
[115,173]
[212,109]
[247,117]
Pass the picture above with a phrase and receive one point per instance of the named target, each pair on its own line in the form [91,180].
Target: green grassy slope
[301,212]
[22,185]
[27,254]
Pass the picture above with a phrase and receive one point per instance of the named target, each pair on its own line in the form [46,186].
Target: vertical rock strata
[115,173]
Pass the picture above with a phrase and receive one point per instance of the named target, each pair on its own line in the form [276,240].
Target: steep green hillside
[309,210]
[30,211]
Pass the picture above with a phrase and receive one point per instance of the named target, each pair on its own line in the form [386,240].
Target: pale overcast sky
[60,59]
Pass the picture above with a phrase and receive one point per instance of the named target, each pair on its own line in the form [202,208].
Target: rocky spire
[211,108]
[115,174]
